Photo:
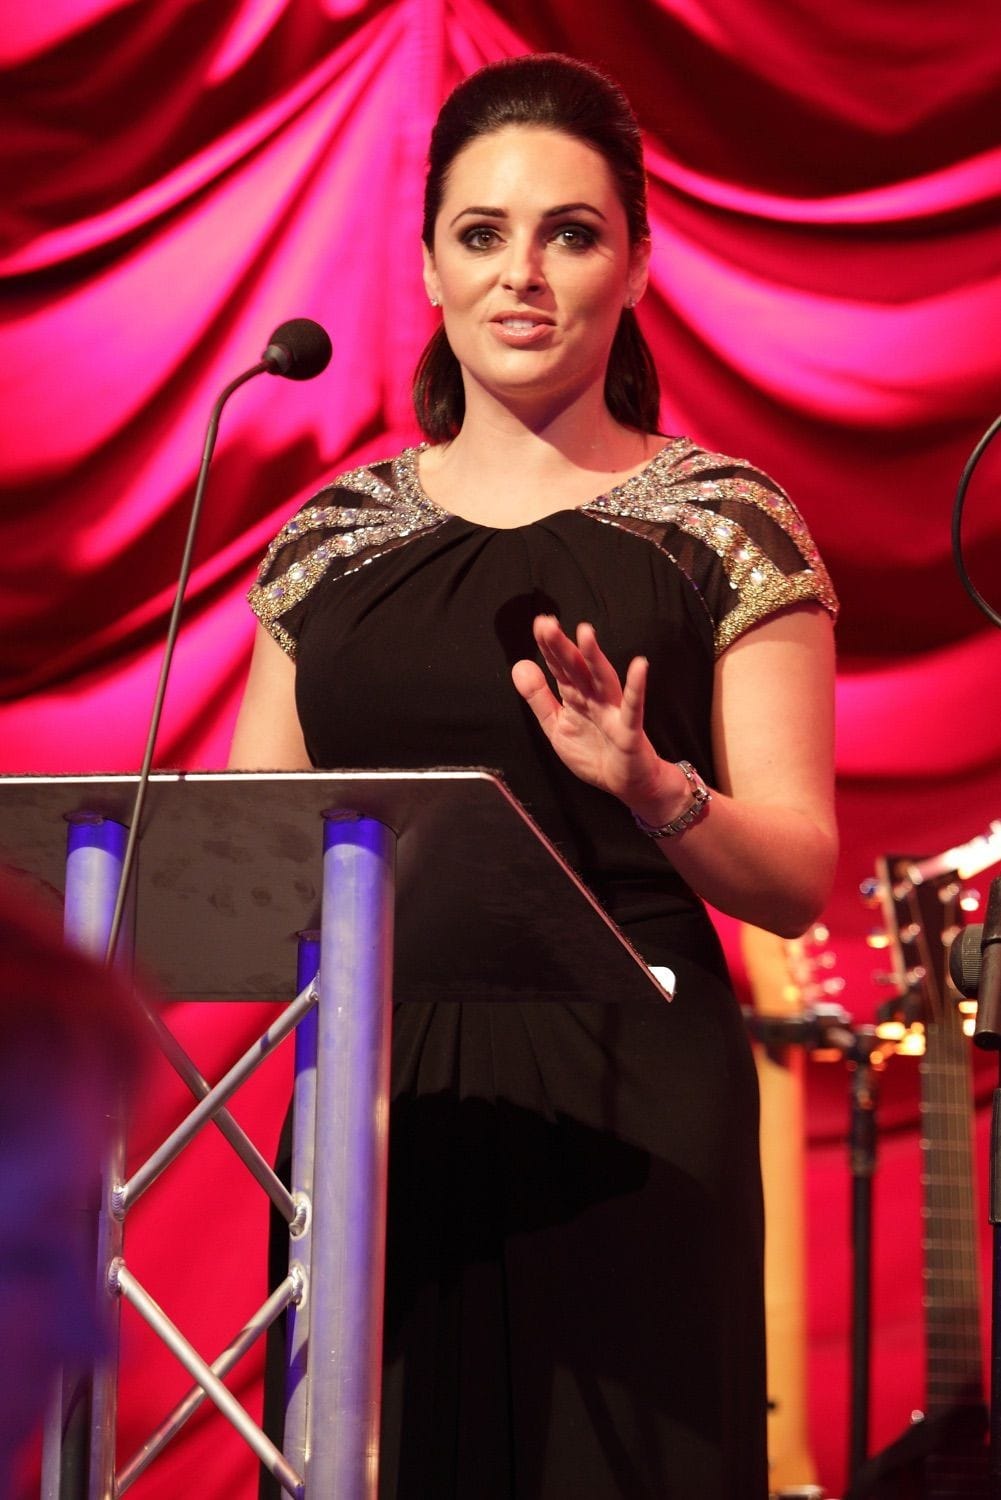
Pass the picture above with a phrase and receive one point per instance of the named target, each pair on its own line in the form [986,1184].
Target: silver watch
[701,796]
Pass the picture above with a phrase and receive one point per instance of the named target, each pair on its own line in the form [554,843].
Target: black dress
[574,1304]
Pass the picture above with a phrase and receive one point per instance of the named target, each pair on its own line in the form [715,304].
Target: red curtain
[825,301]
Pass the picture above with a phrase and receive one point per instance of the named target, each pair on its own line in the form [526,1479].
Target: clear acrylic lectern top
[236,858]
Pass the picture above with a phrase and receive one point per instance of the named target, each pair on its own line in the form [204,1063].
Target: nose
[522,270]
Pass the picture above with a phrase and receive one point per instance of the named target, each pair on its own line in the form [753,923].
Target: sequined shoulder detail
[358,517]
[731,530]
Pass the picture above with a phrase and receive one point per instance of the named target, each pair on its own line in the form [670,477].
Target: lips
[522,321]
[519,329]
[521,325]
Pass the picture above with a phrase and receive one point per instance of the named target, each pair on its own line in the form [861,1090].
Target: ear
[639,271]
[431,284]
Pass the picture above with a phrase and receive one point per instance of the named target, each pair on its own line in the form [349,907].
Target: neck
[580,433]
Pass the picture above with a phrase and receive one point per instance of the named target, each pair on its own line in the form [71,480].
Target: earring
[433,301]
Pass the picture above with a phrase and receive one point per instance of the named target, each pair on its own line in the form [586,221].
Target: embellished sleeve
[737,537]
[348,524]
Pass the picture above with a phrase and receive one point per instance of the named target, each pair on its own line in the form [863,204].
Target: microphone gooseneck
[298,349]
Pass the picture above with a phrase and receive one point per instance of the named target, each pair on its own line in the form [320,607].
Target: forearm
[762,862]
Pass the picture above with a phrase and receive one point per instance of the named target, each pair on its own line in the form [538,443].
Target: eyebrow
[550,213]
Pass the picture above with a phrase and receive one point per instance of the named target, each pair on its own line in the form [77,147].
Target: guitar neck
[952,1280]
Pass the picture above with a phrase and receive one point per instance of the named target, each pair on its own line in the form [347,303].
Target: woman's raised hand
[595,725]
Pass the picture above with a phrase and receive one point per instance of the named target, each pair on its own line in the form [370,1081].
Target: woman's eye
[480,237]
[575,236]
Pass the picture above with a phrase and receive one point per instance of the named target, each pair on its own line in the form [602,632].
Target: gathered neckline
[406,467]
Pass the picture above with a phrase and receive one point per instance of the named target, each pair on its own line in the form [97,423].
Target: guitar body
[778,995]
[940,1456]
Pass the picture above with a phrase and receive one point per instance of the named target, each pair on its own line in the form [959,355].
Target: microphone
[298,349]
[975,970]
[965,960]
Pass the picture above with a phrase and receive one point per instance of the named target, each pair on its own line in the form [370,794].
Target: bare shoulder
[800,628]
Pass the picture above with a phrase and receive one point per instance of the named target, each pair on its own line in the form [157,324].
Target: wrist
[664,797]
[672,808]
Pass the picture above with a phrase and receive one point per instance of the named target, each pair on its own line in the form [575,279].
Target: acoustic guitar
[943,1454]
[779,973]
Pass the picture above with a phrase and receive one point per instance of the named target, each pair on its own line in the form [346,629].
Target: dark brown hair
[552,92]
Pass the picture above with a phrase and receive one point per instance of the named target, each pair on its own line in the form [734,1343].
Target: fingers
[603,674]
[634,695]
[562,657]
[530,682]
[584,676]
[582,672]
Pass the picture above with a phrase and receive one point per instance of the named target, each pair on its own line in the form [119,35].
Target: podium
[354,885]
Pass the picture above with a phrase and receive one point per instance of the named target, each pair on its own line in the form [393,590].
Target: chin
[531,382]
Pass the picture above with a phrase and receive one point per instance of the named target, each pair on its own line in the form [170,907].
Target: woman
[574,1302]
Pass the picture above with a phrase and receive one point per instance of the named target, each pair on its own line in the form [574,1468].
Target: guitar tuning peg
[879,938]
[819,934]
[871,891]
[912,1043]
[885,980]
[821,990]
[969,899]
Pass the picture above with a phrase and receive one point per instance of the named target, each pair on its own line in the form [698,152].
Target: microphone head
[965,960]
[298,349]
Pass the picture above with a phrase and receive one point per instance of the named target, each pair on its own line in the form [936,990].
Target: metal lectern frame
[416,854]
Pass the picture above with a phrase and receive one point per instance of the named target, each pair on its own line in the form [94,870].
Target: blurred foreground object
[72,1039]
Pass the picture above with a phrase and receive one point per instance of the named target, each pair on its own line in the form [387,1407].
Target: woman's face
[532,266]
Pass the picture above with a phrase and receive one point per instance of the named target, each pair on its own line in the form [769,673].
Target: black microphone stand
[298,350]
[266,364]
[73,1460]
[828,1028]
[988,1036]
[864,1096]
[988,1028]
